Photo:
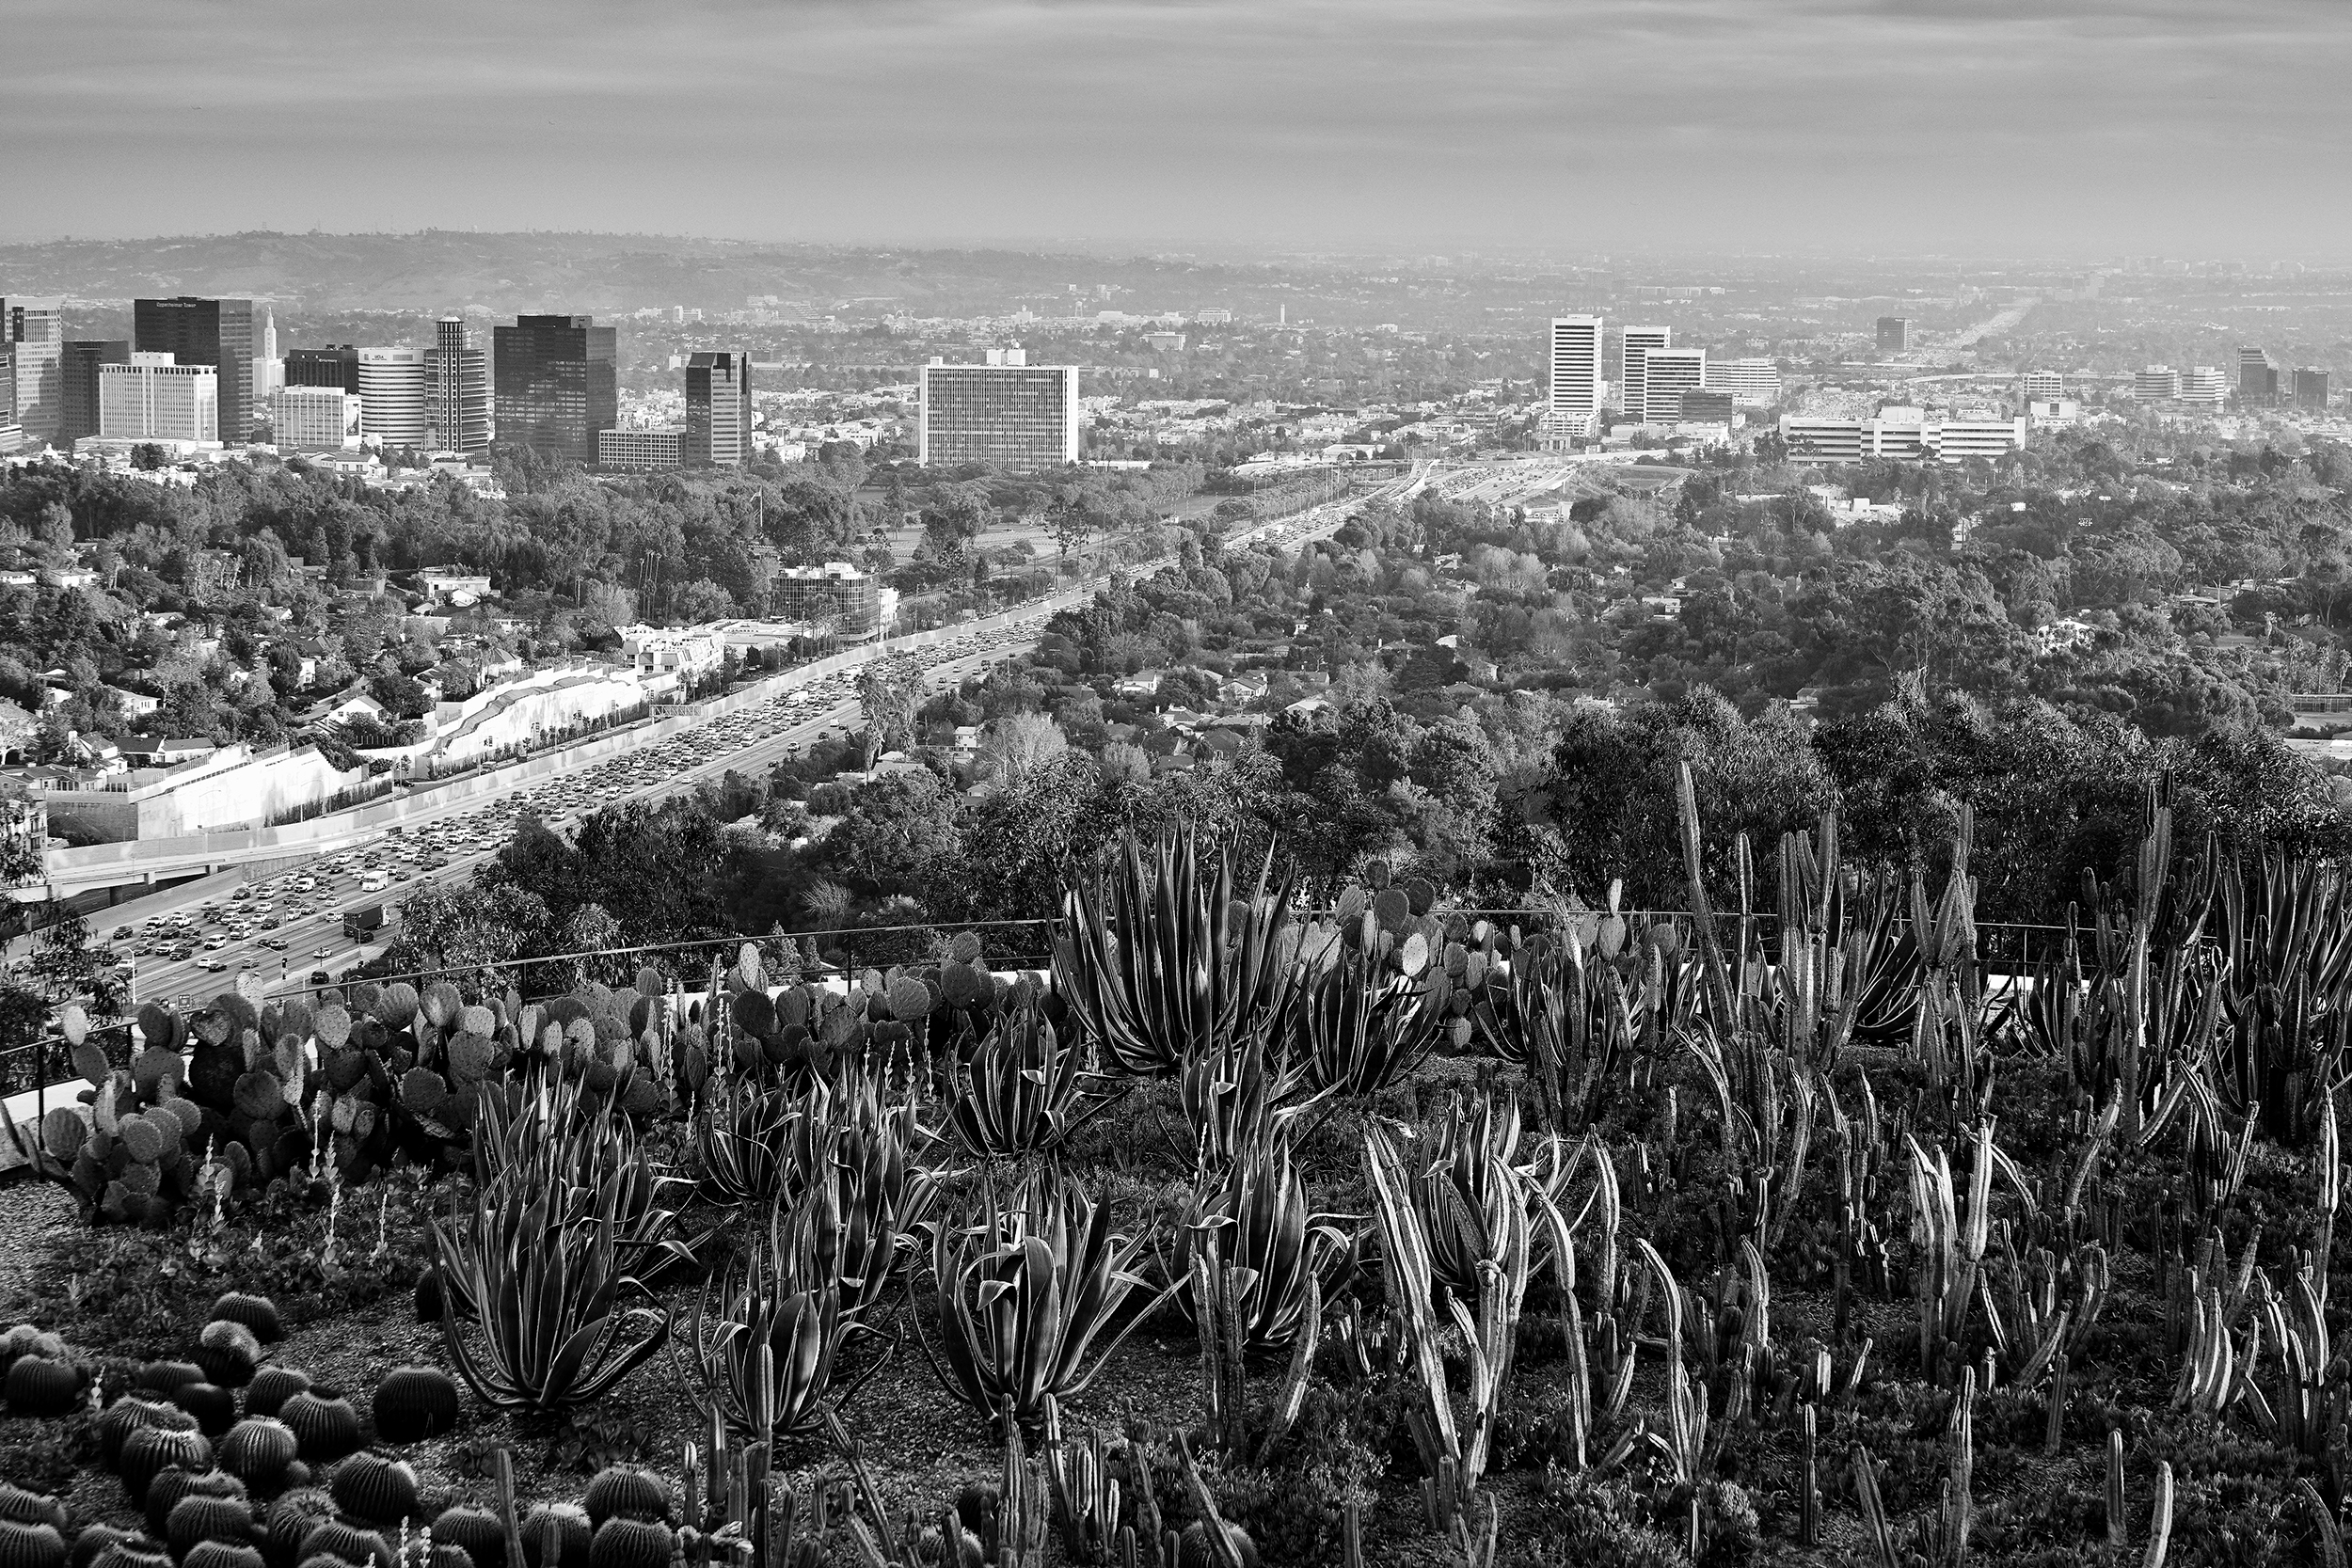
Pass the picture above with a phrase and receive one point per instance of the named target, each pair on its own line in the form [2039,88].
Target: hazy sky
[2083,127]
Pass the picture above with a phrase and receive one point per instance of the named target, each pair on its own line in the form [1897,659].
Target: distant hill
[442,269]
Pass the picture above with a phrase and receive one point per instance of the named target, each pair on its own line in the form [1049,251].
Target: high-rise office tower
[1632,381]
[152,398]
[719,408]
[35,330]
[12,434]
[1007,413]
[1671,372]
[1894,334]
[391,396]
[336,365]
[269,371]
[2310,388]
[78,376]
[1575,366]
[553,378]
[213,332]
[456,390]
[2257,377]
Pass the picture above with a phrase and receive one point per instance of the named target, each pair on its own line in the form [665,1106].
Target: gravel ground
[29,1211]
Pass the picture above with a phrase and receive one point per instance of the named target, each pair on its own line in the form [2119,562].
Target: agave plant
[1024,1291]
[1488,1322]
[546,1286]
[1470,1183]
[1164,956]
[1236,1097]
[1562,1014]
[1369,1017]
[852,1223]
[1025,1091]
[1284,1254]
[587,1166]
[766,1362]
[740,1138]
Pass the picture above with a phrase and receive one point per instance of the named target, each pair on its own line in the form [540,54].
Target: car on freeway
[322,954]
[124,933]
[216,964]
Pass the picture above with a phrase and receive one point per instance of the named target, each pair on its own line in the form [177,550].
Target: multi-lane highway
[196,940]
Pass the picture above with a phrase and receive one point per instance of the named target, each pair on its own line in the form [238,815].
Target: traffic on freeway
[291,928]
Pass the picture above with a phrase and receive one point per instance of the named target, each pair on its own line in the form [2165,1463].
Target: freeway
[194,940]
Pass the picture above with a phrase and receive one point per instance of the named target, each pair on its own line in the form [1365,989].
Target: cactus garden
[1266,1224]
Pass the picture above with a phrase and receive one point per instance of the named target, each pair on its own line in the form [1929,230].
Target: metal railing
[2003,946]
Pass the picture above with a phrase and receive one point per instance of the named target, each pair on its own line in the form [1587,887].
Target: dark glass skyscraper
[332,366]
[78,371]
[719,408]
[2257,377]
[215,332]
[553,378]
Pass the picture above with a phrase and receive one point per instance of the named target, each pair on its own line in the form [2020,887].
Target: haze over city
[1624,126]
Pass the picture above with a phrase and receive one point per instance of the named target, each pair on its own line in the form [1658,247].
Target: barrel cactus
[374,1487]
[229,1353]
[259,1450]
[271,1387]
[41,1386]
[164,1491]
[625,1492]
[23,1546]
[623,1543]
[413,1403]
[325,1425]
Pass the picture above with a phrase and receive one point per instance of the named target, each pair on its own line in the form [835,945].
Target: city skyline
[2129,125]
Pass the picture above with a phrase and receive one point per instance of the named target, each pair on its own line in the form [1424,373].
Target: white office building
[1575,367]
[155,398]
[2157,384]
[1904,434]
[2044,385]
[2206,386]
[1822,440]
[1669,373]
[35,333]
[1957,440]
[1755,382]
[1006,412]
[391,396]
[316,419]
[1633,367]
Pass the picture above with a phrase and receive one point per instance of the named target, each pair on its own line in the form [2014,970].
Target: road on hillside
[283,928]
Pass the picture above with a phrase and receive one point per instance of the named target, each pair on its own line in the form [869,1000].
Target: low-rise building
[850,600]
[678,655]
[454,585]
[316,419]
[232,787]
[641,451]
